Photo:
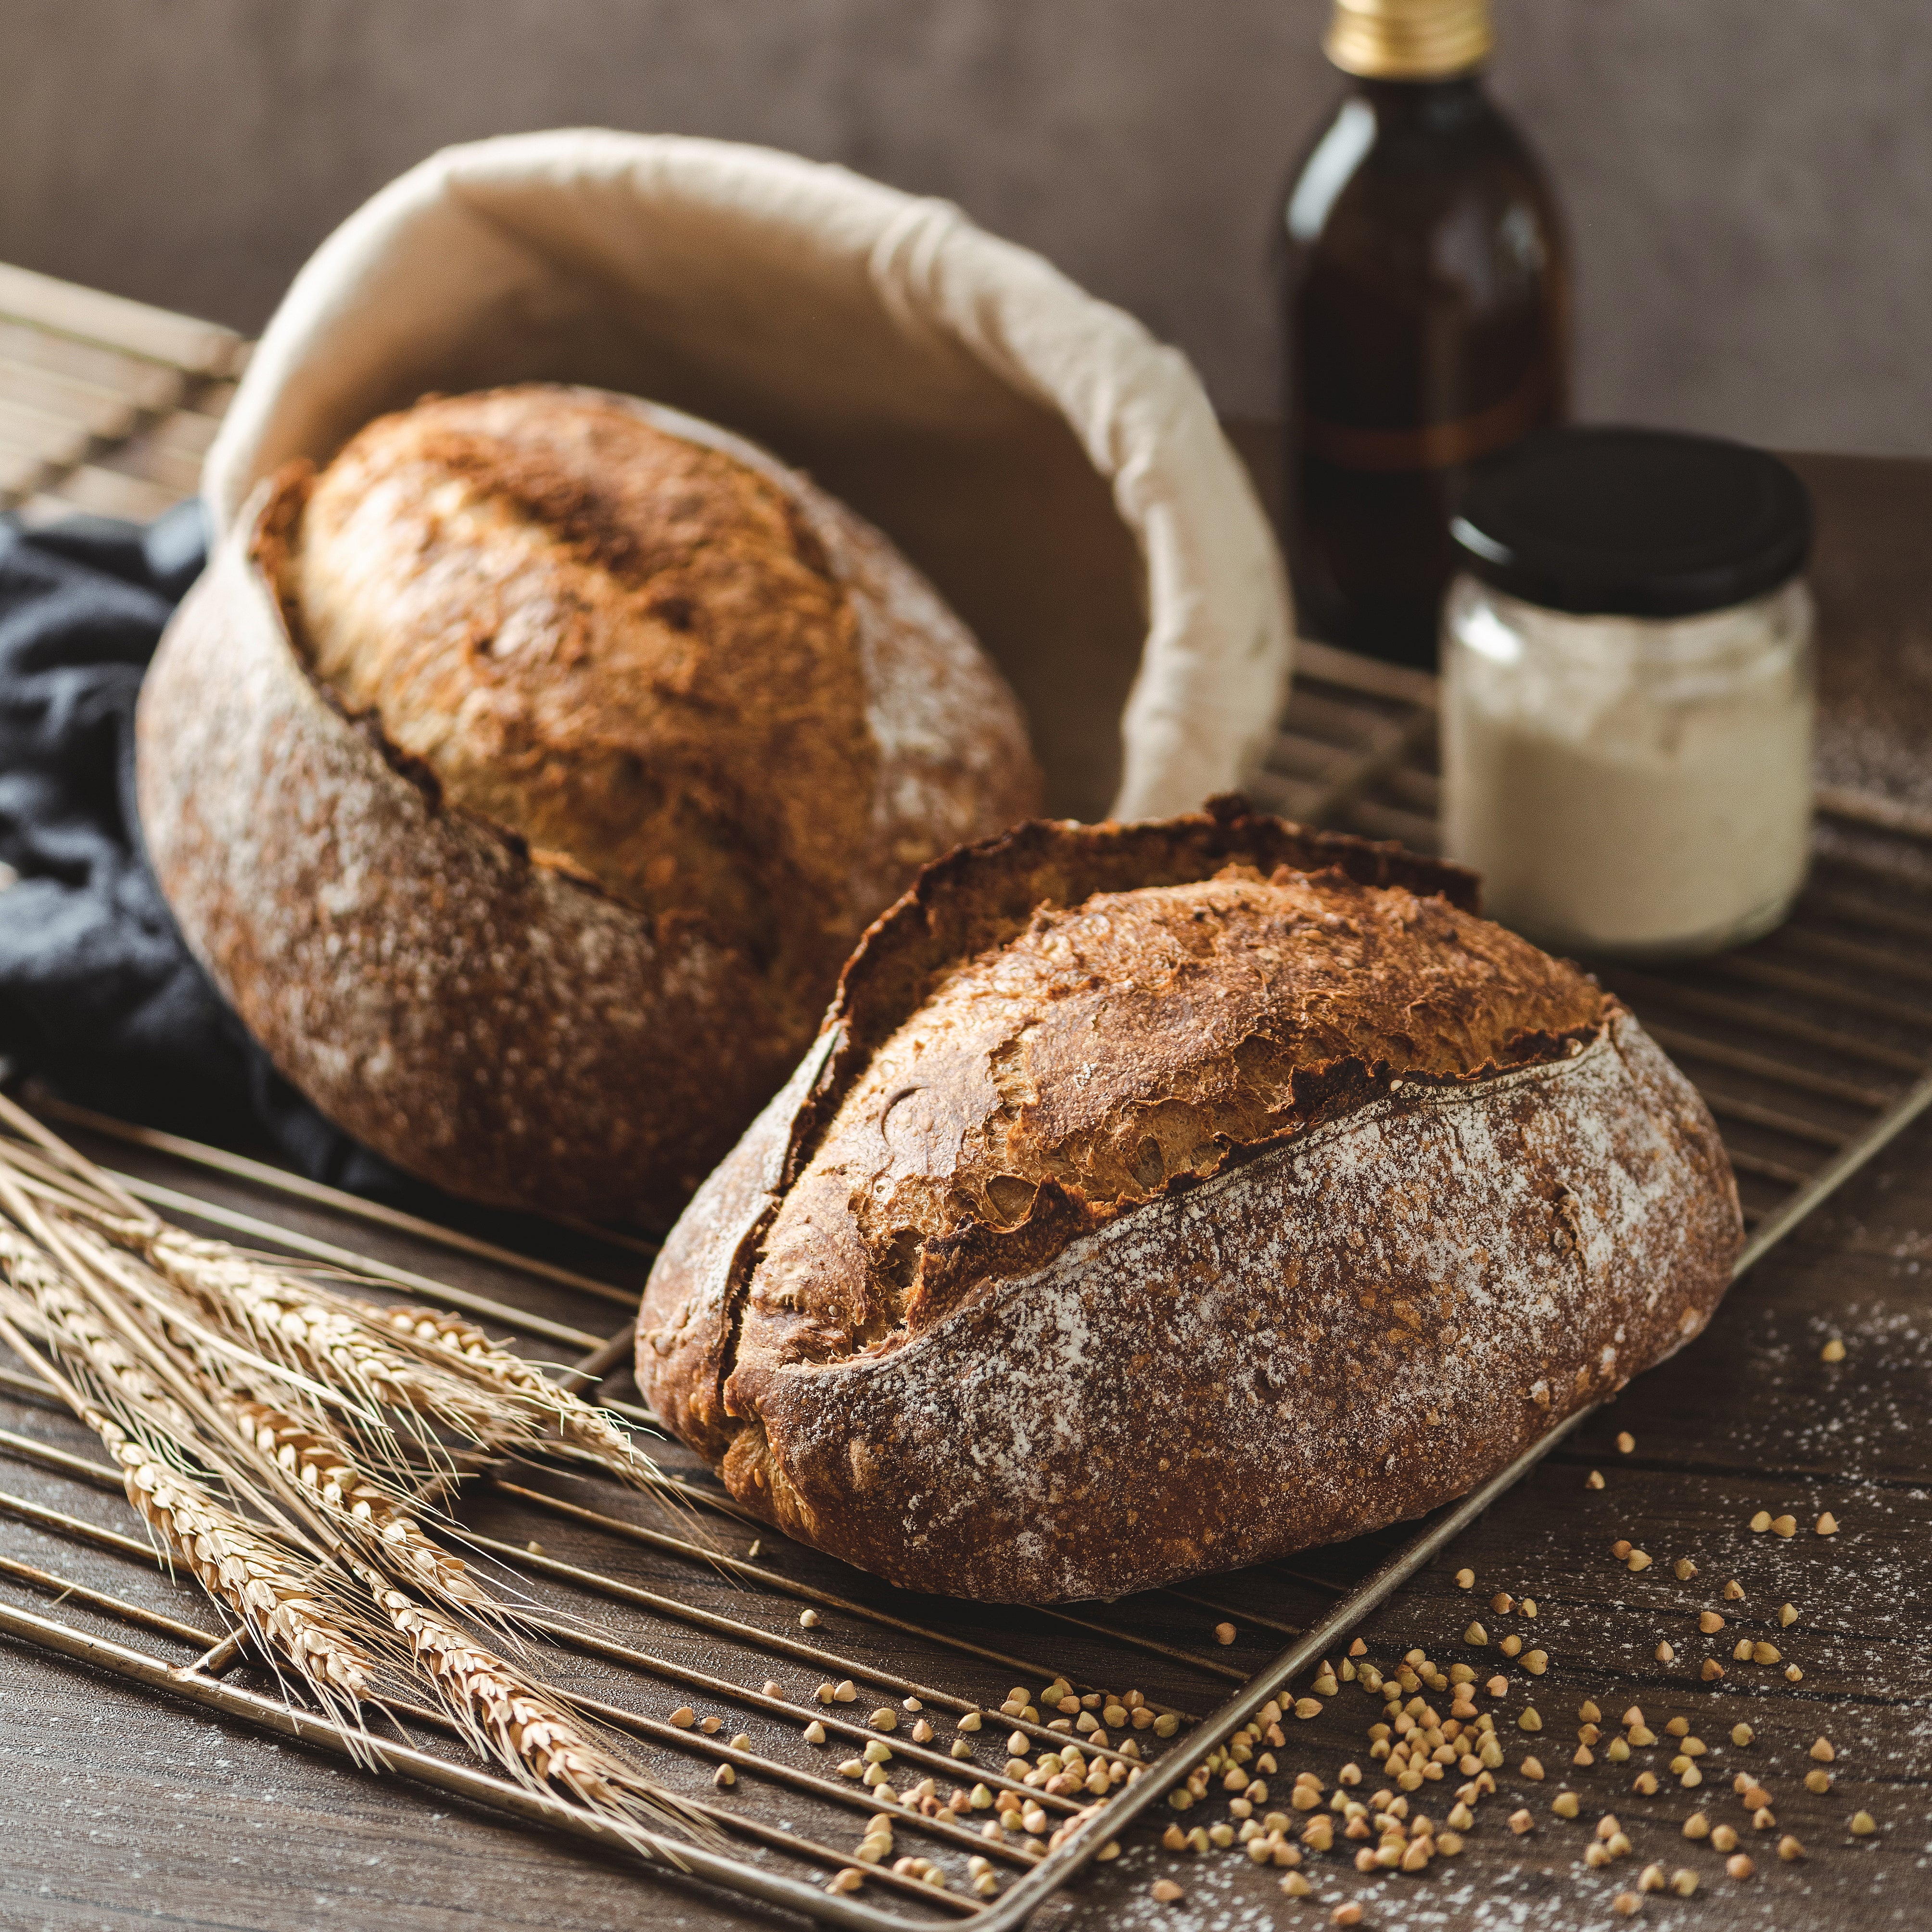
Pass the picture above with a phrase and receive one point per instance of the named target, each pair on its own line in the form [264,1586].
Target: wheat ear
[428,1363]
[589,1430]
[272,1589]
[324,1470]
[73,1322]
[509,1717]
[325,1338]
[505,1714]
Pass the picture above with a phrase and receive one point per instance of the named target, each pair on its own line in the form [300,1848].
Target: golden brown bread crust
[557,1025]
[608,640]
[1172,1226]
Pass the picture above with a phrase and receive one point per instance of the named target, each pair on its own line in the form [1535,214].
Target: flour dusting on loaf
[1164,1228]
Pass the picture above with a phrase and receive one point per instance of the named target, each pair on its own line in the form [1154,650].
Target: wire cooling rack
[714,1640]
[719,1641]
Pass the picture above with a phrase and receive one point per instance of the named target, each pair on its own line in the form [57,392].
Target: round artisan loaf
[524,778]
[1163,1198]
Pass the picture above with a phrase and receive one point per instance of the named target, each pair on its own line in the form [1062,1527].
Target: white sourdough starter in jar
[1629,784]
[1628,690]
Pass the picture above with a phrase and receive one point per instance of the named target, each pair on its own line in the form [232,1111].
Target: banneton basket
[1058,474]
[483,1019]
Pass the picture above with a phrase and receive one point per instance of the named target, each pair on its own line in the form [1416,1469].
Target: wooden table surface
[120,1811]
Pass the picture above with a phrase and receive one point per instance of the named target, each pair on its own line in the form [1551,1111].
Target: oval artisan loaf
[524,779]
[1160,1198]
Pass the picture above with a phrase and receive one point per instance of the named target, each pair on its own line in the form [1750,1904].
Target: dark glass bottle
[1426,299]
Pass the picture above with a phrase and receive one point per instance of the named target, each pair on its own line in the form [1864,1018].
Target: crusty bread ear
[1167,1197]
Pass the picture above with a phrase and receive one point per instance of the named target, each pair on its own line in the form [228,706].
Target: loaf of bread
[1159,1198]
[524,778]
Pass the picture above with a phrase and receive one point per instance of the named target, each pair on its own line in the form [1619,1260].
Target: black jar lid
[1635,522]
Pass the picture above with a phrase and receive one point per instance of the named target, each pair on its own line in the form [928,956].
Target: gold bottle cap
[1408,40]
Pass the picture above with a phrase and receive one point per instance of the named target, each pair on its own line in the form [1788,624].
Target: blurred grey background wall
[1749,182]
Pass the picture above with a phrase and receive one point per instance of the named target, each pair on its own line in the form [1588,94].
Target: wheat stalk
[279,1594]
[505,1714]
[73,1319]
[424,1364]
[180,1337]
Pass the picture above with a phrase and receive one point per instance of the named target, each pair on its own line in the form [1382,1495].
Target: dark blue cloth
[99,998]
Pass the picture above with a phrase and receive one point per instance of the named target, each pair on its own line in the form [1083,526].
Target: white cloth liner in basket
[1058,473]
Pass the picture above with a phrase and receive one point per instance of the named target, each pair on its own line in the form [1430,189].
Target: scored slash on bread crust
[1160,1198]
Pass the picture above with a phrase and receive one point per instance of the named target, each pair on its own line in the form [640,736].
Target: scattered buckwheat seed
[1833,1351]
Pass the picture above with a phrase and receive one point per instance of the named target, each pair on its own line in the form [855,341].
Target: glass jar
[1628,702]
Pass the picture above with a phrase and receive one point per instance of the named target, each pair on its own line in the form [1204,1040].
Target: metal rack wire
[1813,1048]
